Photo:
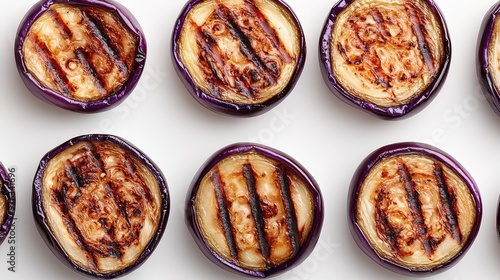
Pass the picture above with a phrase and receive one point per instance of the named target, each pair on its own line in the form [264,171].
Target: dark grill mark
[216,64]
[83,58]
[63,28]
[417,19]
[57,74]
[245,45]
[415,208]
[448,205]
[97,28]
[291,218]
[387,231]
[256,211]
[224,214]
[64,205]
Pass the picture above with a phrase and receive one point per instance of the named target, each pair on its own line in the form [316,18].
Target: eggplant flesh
[386,52]
[242,52]
[254,212]
[415,211]
[81,52]
[3,208]
[103,205]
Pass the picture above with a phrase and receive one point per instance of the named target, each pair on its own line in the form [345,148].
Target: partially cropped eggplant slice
[413,208]
[238,57]
[81,55]
[100,204]
[488,57]
[254,211]
[387,58]
[7,203]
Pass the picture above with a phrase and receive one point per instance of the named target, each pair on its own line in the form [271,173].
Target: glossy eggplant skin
[413,106]
[484,73]
[219,105]
[405,148]
[55,98]
[194,226]
[7,190]
[43,226]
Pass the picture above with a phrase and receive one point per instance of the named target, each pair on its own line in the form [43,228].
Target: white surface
[328,137]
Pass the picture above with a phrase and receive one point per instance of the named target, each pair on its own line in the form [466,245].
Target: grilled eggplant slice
[238,57]
[385,57]
[413,208]
[488,58]
[100,204]
[82,55]
[253,210]
[7,203]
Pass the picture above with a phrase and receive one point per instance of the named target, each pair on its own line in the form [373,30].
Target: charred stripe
[245,45]
[63,204]
[60,24]
[291,218]
[53,67]
[82,57]
[371,59]
[383,224]
[258,217]
[213,58]
[72,172]
[415,207]
[96,27]
[448,201]
[224,214]
[417,19]
[269,31]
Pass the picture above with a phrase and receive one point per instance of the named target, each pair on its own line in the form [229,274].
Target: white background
[328,137]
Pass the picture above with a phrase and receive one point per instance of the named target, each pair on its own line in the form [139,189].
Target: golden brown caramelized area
[386,51]
[3,205]
[415,211]
[81,52]
[102,204]
[253,211]
[242,51]
[494,55]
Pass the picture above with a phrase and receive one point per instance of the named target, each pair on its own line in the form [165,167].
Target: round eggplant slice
[7,203]
[254,211]
[488,59]
[238,57]
[100,204]
[81,55]
[385,57]
[413,209]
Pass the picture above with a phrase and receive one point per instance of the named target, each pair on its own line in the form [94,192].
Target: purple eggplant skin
[194,228]
[403,148]
[498,218]
[7,190]
[43,226]
[224,107]
[482,65]
[52,97]
[402,111]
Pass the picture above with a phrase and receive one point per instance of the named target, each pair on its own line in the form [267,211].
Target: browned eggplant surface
[81,52]
[102,204]
[415,211]
[253,211]
[386,52]
[240,51]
